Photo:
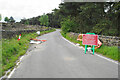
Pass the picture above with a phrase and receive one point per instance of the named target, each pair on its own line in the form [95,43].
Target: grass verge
[108,51]
[12,49]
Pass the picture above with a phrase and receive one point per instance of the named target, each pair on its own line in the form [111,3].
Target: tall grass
[72,38]
[0,58]
[12,49]
[108,51]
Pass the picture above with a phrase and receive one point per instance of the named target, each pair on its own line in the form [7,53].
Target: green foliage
[113,32]
[119,54]
[26,22]
[108,51]
[71,38]
[54,19]
[101,18]
[0,17]
[32,21]
[44,20]
[102,27]
[6,19]
[11,19]
[68,25]
[92,17]
[0,58]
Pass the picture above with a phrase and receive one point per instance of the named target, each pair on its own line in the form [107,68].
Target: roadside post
[19,37]
[90,39]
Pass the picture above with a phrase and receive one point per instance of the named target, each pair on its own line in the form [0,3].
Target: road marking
[11,73]
[69,41]
[116,62]
[69,59]
[108,59]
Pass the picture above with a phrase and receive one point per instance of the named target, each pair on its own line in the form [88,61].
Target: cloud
[26,8]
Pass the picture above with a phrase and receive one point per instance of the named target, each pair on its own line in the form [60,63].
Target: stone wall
[13,33]
[110,40]
[18,26]
[107,40]
[11,30]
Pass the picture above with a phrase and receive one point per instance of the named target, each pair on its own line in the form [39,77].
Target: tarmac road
[56,58]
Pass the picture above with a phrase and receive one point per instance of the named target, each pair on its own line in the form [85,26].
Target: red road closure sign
[89,39]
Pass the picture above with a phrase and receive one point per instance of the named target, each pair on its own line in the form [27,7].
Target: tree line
[9,20]
[40,20]
[100,18]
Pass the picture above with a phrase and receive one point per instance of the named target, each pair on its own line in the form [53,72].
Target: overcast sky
[20,9]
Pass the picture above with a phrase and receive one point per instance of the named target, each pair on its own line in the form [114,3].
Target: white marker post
[38,32]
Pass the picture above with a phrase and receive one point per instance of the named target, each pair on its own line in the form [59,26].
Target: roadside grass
[71,38]
[119,54]
[0,57]
[12,49]
[108,51]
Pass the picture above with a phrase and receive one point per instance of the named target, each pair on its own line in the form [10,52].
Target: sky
[20,9]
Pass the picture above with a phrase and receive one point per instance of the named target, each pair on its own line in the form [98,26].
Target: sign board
[89,39]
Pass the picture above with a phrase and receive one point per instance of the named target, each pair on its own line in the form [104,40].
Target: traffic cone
[19,37]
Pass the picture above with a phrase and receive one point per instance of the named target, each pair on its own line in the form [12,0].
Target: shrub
[103,27]
[69,25]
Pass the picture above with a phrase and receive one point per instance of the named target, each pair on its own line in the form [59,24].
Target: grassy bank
[12,49]
[108,51]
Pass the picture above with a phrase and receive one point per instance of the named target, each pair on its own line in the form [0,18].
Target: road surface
[57,58]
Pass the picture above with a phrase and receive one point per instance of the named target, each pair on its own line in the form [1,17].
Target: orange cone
[19,37]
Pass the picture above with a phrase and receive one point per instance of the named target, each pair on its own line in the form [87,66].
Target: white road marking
[69,41]
[108,59]
[116,62]
[11,73]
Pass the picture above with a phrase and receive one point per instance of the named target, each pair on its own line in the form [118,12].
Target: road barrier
[19,37]
[90,39]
